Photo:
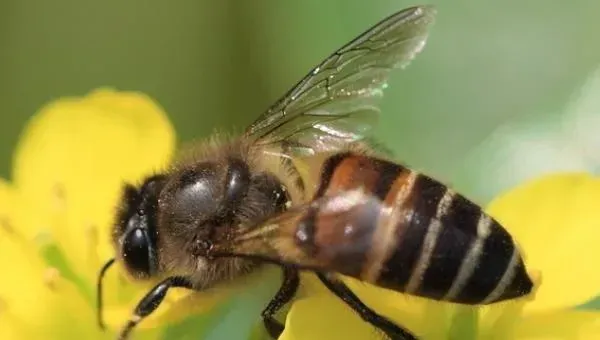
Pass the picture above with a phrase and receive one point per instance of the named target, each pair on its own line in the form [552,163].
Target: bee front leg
[342,291]
[286,292]
[151,301]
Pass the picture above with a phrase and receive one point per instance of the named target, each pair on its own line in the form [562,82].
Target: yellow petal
[556,220]
[324,317]
[318,314]
[72,160]
[7,210]
[36,302]
[180,303]
[561,324]
[34,299]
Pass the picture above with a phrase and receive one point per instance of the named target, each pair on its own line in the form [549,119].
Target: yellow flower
[56,214]
[556,219]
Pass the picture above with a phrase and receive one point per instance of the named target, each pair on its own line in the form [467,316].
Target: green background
[218,64]
[492,96]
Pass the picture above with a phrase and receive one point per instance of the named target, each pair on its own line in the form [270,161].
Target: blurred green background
[499,94]
[218,64]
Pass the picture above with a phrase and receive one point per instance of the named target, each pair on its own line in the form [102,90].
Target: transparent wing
[338,101]
[332,233]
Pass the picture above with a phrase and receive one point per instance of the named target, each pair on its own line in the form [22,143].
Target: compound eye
[137,253]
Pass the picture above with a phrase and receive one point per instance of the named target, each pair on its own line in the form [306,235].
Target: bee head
[135,232]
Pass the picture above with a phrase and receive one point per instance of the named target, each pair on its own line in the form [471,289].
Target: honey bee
[303,188]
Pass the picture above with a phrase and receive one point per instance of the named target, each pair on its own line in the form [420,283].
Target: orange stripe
[388,233]
[353,171]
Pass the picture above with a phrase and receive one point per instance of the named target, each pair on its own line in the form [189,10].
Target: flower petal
[318,314]
[34,299]
[38,303]
[324,317]
[560,324]
[72,160]
[556,220]
[182,307]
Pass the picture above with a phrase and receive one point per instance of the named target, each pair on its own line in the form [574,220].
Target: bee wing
[338,101]
[332,233]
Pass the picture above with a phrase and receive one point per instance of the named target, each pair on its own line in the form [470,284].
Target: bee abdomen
[446,248]
[413,235]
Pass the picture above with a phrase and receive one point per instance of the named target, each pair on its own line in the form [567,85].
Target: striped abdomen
[413,235]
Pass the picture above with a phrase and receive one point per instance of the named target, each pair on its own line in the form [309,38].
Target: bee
[303,188]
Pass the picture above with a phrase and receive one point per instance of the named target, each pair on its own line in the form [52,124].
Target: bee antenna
[99,306]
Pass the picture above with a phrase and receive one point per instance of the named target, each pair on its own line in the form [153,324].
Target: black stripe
[463,215]
[327,171]
[494,259]
[459,231]
[396,270]
[449,252]
[519,286]
[424,199]
[388,173]
[427,194]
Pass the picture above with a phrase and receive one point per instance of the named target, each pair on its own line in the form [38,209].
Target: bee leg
[151,301]
[286,292]
[342,291]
